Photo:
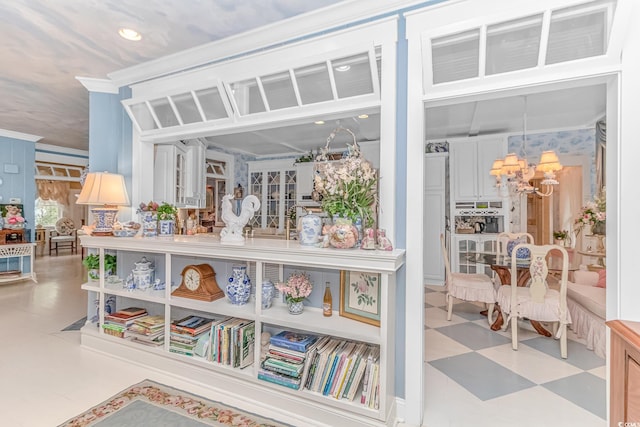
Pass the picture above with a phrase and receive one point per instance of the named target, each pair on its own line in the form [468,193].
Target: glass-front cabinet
[473,254]
[274,183]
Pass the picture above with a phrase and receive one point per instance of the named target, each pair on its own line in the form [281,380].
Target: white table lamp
[107,190]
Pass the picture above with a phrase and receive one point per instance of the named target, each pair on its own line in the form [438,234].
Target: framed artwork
[360,296]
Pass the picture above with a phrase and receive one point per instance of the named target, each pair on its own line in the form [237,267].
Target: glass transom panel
[211,103]
[576,35]
[248,97]
[143,116]
[513,45]
[187,108]
[455,57]
[352,75]
[314,83]
[164,112]
[278,88]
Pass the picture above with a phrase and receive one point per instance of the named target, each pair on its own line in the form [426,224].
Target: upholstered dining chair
[504,238]
[467,287]
[537,300]
[64,236]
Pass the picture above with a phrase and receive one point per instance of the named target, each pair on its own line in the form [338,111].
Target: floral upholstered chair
[467,287]
[504,238]
[64,236]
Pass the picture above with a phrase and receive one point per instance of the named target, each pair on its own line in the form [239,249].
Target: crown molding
[19,135]
[98,85]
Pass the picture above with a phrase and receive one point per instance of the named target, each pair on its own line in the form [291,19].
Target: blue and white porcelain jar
[310,230]
[149,220]
[239,286]
[522,253]
[268,292]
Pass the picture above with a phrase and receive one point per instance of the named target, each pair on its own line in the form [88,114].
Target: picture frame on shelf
[360,294]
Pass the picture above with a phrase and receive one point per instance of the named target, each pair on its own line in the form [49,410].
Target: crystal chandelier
[515,172]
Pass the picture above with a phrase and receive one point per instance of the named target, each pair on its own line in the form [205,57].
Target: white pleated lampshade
[104,188]
[549,162]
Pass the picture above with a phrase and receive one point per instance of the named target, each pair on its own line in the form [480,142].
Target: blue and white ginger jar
[268,292]
[310,230]
[239,286]
[522,253]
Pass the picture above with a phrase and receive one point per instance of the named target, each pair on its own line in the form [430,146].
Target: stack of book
[345,369]
[117,323]
[233,342]
[189,335]
[286,362]
[147,330]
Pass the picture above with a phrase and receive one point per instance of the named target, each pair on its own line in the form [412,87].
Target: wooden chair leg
[514,332]
[449,299]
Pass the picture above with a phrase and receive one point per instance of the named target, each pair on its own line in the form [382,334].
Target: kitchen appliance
[491,225]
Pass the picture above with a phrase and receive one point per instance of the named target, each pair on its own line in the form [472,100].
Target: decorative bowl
[125,233]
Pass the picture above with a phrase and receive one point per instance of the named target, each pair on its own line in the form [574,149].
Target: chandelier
[515,172]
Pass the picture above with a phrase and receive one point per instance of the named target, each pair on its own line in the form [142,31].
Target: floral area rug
[152,404]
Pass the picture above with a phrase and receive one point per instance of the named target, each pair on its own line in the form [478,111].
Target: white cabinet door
[488,150]
[464,170]
[168,174]
[473,254]
[471,161]
[179,174]
[304,181]
[434,217]
[275,184]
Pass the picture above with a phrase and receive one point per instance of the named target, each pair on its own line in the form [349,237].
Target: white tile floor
[474,378]
[46,377]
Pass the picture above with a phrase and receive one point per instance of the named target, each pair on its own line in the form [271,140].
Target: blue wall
[21,185]
[575,142]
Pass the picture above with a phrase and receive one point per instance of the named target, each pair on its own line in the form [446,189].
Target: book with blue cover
[293,340]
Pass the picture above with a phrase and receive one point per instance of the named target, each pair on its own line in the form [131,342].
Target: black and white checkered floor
[473,377]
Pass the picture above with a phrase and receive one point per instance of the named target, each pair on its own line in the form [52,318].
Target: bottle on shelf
[327,302]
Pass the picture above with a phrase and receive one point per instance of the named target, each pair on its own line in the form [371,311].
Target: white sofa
[587,305]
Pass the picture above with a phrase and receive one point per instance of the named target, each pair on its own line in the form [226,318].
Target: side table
[20,250]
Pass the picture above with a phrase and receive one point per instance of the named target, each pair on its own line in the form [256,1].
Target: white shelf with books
[335,325]
[265,259]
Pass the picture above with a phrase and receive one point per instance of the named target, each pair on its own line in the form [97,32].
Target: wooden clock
[199,282]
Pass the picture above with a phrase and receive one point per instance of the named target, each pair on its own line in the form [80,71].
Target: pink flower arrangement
[296,288]
[148,207]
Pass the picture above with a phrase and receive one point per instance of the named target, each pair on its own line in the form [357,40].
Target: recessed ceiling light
[363,116]
[343,68]
[130,34]
[319,122]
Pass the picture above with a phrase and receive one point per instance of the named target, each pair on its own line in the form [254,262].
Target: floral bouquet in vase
[295,290]
[594,214]
[349,187]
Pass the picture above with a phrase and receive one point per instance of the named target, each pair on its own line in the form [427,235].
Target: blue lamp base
[104,219]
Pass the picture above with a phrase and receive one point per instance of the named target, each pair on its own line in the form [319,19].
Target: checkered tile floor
[473,377]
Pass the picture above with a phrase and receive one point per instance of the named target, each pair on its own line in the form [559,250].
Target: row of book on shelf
[334,367]
[229,341]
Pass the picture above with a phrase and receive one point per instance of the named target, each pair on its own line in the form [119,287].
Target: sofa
[586,302]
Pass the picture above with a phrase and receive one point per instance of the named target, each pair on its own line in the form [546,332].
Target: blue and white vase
[239,286]
[166,227]
[149,221]
[522,253]
[310,230]
[268,292]
[295,307]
